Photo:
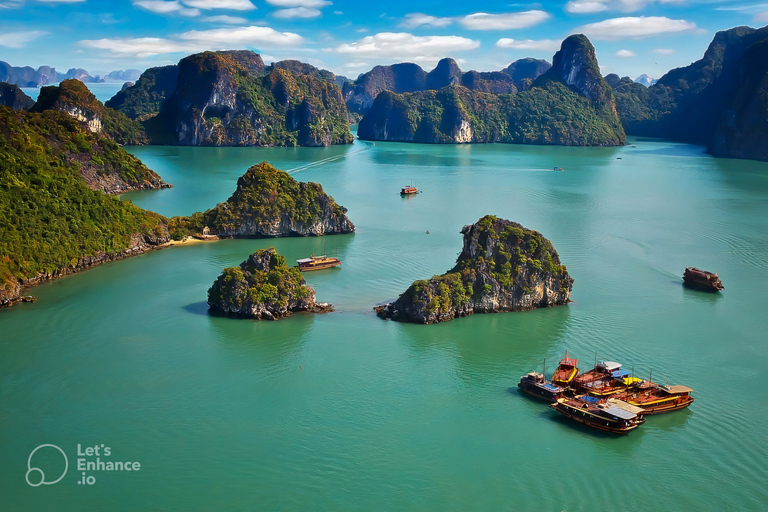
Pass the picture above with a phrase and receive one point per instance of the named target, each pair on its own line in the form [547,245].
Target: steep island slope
[570,104]
[502,267]
[229,98]
[269,203]
[12,96]
[717,101]
[52,223]
[263,287]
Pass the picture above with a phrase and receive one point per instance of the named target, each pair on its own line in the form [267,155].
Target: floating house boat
[566,371]
[317,263]
[535,384]
[654,398]
[702,280]
[615,416]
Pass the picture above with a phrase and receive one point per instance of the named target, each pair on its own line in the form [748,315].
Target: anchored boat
[317,263]
[600,371]
[566,371]
[654,398]
[611,416]
[702,280]
[535,384]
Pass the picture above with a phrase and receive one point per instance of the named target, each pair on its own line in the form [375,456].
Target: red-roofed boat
[566,371]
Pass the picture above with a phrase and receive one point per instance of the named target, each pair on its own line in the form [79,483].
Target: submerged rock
[263,287]
[502,267]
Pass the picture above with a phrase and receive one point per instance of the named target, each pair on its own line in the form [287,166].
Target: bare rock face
[575,64]
[263,287]
[269,203]
[502,267]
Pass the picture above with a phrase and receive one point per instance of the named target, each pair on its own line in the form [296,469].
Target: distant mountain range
[45,75]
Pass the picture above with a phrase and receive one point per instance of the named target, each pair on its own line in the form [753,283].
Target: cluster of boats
[605,397]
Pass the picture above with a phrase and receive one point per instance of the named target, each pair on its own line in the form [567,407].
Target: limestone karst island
[334,255]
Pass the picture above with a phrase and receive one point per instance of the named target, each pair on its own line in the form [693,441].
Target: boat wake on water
[330,159]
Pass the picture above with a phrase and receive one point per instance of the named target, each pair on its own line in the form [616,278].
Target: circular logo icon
[31,469]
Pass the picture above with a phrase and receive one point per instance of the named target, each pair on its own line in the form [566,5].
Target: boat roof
[551,387]
[679,389]
[621,404]
[611,366]
[589,399]
[569,361]
[617,411]
[620,374]
[304,260]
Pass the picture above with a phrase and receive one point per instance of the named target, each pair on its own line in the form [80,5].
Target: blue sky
[351,36]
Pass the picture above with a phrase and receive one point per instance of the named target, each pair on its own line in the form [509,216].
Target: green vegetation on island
[50,219]
[269,202]
[262,287]
[503,267]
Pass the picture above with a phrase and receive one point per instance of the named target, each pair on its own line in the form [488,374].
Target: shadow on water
[668,421]
[197,308]
[700,296]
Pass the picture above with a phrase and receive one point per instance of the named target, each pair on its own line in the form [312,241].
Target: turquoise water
[345,411]
[103,91]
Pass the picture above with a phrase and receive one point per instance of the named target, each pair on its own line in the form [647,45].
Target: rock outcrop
[74,98]
[407,77]
[716,101]
[25,76]
[12,96]
[570,104]
[502,267]
[270,203]
[143,99]
[263,287]
[230,98]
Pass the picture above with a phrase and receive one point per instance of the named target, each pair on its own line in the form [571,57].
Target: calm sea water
[345,411]
[103,91]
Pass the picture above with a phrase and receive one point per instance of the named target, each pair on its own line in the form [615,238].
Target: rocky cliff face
[263,287]
[570,104]
[230,99]
[502,267]
[12,96]
[143,99]
[407,77]
[74,98]
[696,103]
[269,203]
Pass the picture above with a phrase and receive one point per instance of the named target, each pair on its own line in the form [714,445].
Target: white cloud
[761,17]
[664,51]
[403,45]
[635,27]
[234,5]
[299,3]
[297,12]
[625,54]
[549,45]
[163,7]
[509,21]
[195,41]
[418,19]
[230,20]
[241,36]
[592,6]
[19,39]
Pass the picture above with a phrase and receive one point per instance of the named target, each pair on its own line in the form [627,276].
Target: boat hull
[662,406]
[589,418]
[319,267]
[539,392]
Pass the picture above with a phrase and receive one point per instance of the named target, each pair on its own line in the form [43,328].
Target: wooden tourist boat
[655,399]
[317,263]
[408,190]
[566,371]
[618,381]
[702,280]
[599,372]
[535,384]
[614,416]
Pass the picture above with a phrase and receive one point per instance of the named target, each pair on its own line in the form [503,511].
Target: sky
[349,37]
